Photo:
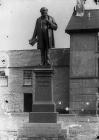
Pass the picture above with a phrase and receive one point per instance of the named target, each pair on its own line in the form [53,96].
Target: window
[27,81]
[3,79]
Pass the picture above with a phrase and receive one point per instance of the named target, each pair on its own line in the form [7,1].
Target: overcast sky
[18,17]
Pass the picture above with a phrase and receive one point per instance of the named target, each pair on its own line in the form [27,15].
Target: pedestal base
[30,130]
[43,117]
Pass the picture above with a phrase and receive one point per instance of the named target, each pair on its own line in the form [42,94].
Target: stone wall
[83,72]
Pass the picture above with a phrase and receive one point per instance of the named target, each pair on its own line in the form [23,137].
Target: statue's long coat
[38,33]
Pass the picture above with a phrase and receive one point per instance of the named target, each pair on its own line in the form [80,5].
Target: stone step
[39,129]
[43,117]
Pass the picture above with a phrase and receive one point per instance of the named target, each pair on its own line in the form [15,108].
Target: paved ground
[77,127]
[80,127]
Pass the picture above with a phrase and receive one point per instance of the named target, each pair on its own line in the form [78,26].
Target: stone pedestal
[43,86]
[43,110]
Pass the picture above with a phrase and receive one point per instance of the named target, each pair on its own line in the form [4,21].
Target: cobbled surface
[77,127]
[80,127]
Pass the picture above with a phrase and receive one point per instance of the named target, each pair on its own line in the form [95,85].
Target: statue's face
[44,13]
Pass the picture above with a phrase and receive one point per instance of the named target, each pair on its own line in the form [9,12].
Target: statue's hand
[48,22]
[32,41]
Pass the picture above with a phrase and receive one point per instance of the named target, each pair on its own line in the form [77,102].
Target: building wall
[14,92]
[83,72]
[61,87]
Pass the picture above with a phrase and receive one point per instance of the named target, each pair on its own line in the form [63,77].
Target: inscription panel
[43,89]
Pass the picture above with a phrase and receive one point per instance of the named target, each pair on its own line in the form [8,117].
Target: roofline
[33,50]
[81,31]
[91,10]
[68,31]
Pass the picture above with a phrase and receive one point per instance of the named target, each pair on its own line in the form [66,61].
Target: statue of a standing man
[43,35]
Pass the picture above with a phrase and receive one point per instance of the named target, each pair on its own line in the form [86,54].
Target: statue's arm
[52,24]
[33,40]
[35,32]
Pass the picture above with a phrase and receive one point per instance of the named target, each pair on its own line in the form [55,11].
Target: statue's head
[44,11]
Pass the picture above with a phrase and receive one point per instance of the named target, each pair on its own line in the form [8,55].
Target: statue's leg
[45,47]
[47,57]
[42,56]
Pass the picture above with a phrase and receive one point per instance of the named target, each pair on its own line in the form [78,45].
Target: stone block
[43,117]
[43,108]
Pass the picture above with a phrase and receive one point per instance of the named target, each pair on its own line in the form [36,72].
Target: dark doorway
[27,102]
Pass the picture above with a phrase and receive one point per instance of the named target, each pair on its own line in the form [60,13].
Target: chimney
[97,1]
[91,4]
[79,8]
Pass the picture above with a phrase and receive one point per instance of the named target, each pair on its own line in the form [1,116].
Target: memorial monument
[43,118]
[43,35]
